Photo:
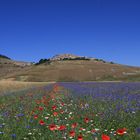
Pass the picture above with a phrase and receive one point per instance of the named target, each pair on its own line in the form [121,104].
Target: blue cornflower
[13,135]
[20,115]
[31,121]
[138,130]
[28,127]
[6,114]
[1,125]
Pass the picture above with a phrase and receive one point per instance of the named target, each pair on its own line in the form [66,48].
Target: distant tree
[42,61]
[96,59]
[101,60]
[3,56]
[112,62]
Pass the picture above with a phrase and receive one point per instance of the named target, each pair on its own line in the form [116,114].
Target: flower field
[72,111]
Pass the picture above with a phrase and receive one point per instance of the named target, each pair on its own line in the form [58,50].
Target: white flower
[114,134]
[96,129]
[86,105]
[46,118]
[133,112]
[71,101]
[88,132]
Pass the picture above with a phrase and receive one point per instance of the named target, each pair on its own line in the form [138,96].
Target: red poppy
[52,127]
[62,127]
[41,122]
[55,113]
[44,97]
[81,128]
[93,131]
[86,120]
[40,108]
[74,125]
[54,107]
[121,131]
[80,137]
[61,111]
[72,133]
[37,101]
[105,137]
[35,116]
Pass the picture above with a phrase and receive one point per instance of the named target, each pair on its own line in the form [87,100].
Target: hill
[9,66]
[74,68]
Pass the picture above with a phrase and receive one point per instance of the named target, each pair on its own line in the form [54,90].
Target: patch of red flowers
[35,116]
[41,122]
[105,137]
[93,131]
[74,125]
[40,108]
[80,137]
[121,131]
[86,120]
[72,133]
[54,107]
[62,127]
[52,127]
[55,113]
[61,111]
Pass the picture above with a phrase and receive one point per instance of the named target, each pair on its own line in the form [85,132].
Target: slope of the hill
[77,70]
[8,66]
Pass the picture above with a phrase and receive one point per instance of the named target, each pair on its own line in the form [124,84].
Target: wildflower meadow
[72,111]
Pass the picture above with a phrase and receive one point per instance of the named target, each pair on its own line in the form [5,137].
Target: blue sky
[107,29]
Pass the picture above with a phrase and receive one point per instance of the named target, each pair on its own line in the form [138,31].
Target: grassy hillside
[76,70]
[8,67]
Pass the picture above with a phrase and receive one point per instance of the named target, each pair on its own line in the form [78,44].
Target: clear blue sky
[34,29]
